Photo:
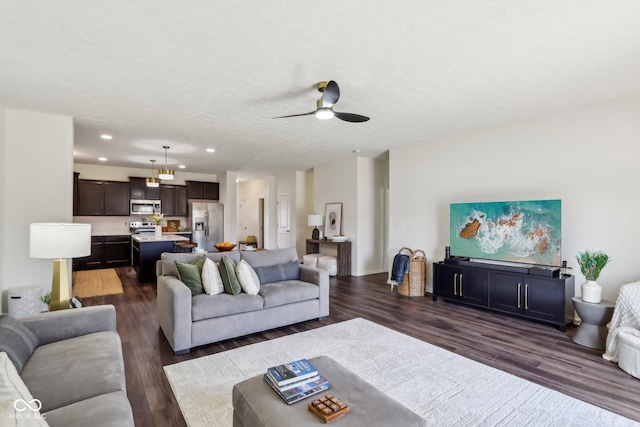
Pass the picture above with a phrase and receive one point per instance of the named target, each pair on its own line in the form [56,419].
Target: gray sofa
[77,370]
[190,321]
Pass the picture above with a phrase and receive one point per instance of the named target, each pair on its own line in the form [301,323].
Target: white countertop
[154,238]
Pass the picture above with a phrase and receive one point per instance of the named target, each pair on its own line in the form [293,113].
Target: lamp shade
[314,220]
[59,240]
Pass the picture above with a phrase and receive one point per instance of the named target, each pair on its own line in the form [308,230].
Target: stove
[142,227]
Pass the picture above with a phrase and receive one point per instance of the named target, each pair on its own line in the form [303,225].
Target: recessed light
[210,150]
[105,136]
[102,159]
[181,166]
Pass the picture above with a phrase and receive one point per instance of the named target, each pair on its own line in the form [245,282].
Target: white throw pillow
[248,278]
[211,279]
[17,405]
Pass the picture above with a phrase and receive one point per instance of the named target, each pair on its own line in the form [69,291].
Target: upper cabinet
[102,198]
[203,190]
[174,200]
[140,191]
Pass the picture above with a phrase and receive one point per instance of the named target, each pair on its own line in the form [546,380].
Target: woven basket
[414,281]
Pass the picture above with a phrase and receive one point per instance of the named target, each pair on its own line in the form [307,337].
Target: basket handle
[405,249]
[417,252]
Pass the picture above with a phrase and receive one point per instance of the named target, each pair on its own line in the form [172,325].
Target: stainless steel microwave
[145,207]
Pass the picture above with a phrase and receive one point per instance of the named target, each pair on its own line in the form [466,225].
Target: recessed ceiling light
[181,166]
[210,150]
[102,159]
[105,136]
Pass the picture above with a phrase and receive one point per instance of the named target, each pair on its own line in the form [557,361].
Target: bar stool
[177,246]
[188,247]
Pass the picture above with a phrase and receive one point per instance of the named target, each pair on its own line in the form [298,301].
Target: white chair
[311,260]
[629,353]
[329,263]
[623,340]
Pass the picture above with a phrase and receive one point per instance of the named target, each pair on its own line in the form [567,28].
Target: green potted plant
[591,264]
[46,299]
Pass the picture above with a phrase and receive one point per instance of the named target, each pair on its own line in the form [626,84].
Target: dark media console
[535,292]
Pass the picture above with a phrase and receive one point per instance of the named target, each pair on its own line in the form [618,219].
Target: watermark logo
[22,405]
[25,410]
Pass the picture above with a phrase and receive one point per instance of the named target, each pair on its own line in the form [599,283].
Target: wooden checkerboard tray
[328,408]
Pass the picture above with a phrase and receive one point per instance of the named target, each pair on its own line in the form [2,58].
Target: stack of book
[296,380]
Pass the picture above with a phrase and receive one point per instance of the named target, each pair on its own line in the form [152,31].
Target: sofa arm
[174,312]
[321,278]
[60,325]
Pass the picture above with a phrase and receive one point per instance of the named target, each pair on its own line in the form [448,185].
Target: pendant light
[153,181]
[165,173]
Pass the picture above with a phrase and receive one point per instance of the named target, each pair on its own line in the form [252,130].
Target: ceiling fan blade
[331,94]
[294,115]
[350,117]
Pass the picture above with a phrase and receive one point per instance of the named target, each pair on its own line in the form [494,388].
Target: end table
[592,332]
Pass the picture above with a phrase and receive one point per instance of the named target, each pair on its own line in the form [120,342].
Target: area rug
[444,388]
[95,283]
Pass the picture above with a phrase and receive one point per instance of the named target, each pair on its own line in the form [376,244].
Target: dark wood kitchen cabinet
[174,200]
[102,198]
[140,191]
[106,252]
[116,198]
[203,190]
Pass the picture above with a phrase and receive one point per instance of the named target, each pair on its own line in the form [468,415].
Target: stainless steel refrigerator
[207,224]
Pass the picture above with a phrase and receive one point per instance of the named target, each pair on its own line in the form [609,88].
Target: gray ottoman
[255,404]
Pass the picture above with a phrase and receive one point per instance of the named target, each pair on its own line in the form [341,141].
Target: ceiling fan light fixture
[166,173]
[324,113]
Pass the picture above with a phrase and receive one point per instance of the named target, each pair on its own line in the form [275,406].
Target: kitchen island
[147,249]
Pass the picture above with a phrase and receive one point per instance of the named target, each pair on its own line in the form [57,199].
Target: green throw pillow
[191,275]
[229,278]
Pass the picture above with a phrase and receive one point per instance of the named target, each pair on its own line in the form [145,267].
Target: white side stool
[25,300]
[629,354]
[311,260]
[329,263]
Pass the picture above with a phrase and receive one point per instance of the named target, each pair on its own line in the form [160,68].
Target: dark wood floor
[534,351]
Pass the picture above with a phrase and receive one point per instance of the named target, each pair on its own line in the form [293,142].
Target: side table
[592,332]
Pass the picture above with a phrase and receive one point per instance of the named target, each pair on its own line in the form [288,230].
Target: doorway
[284,220]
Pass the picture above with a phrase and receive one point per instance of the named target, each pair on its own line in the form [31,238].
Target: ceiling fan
[324,106]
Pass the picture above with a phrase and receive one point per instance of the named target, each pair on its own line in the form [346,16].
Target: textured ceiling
[201,74]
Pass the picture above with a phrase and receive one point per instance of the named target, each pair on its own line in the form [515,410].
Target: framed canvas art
[527,231]
[333,220]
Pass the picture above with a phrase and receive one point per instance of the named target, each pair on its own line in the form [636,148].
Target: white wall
[337,182]
[229,197]
[588,157]
[37,187]
[249,193]
[303,208]
[118,173]
[373,181]
[4,206]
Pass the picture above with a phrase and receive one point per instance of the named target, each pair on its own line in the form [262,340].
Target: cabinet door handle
[526,296]
[519,286]
[460,283]
[455,286]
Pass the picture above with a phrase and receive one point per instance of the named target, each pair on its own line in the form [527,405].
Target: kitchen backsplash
[114,225]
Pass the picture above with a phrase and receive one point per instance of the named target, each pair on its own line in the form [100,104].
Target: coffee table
[255,404]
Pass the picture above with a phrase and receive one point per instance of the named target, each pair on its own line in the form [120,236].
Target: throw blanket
[399,268]
[626,318]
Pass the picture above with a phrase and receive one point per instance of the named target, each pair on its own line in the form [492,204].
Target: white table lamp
[315,221]
[59,241]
